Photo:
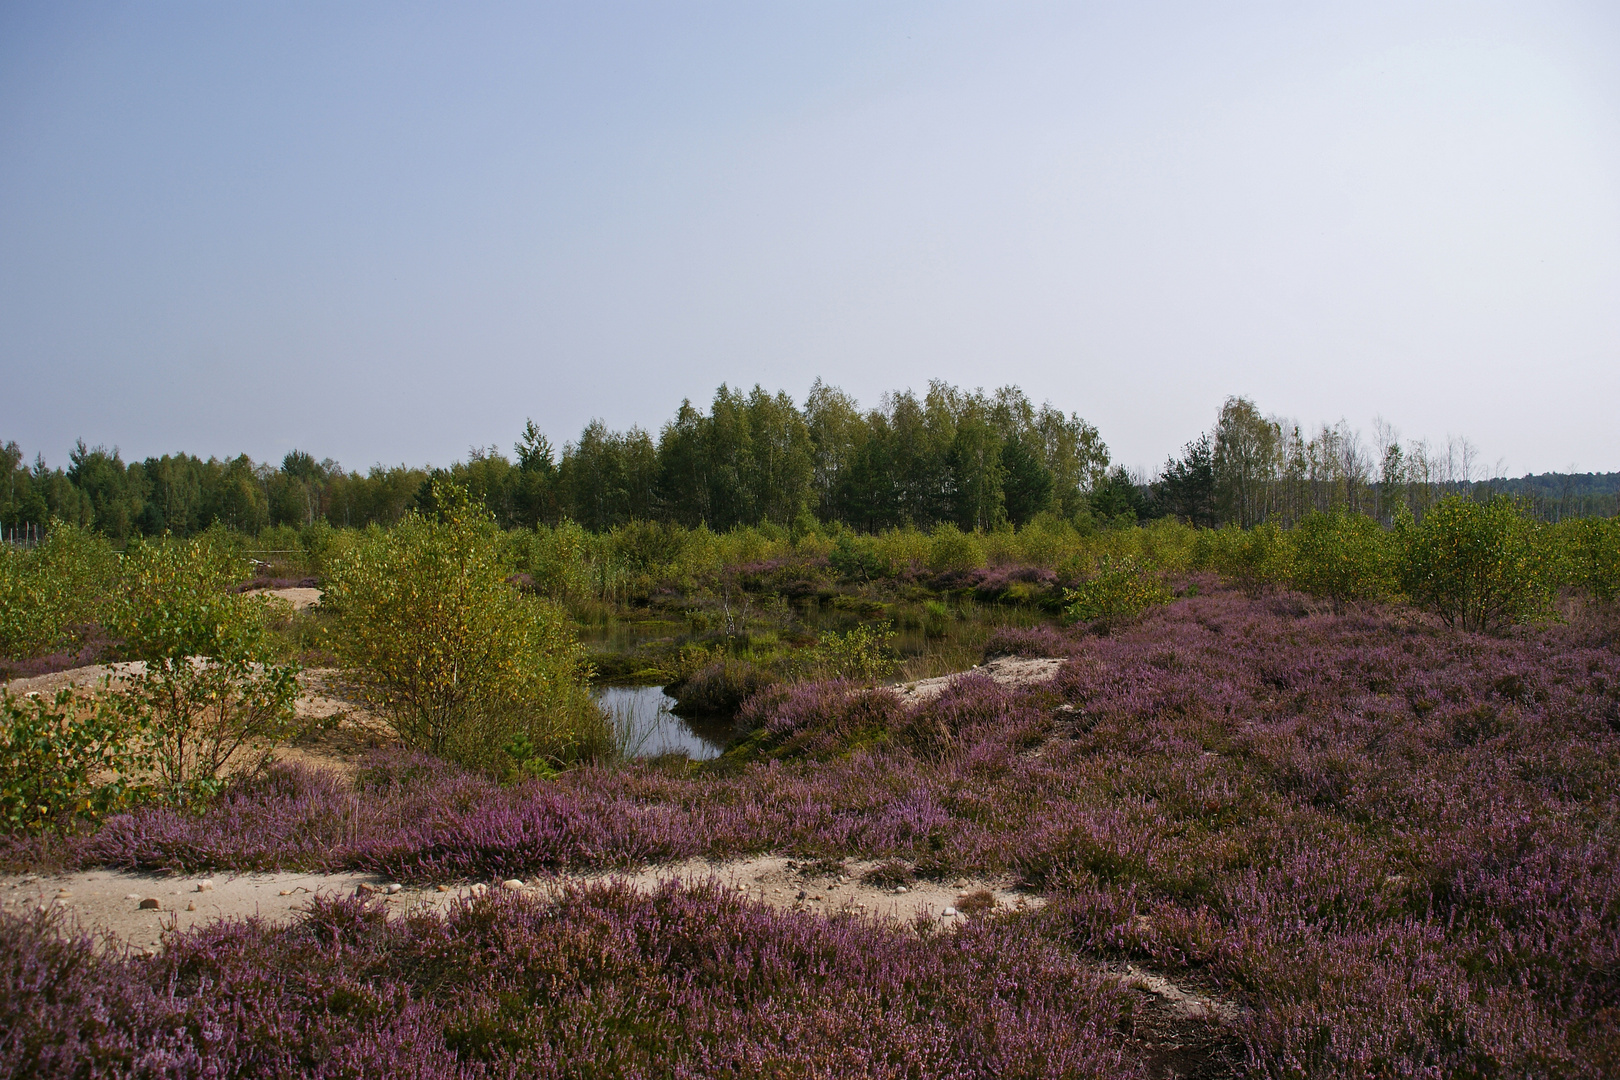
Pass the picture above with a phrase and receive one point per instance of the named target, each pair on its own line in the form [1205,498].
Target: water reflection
[647,728]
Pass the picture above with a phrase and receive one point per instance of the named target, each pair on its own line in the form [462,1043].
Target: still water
[647,728]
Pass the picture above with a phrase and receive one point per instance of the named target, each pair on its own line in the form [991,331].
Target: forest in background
[969,458]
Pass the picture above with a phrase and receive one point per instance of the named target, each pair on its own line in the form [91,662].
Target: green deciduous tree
[212,699]
[463,664]
[1478,565]
[65,761]
[1342,556]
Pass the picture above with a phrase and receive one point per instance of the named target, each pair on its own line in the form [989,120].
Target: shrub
[1478,565]
[1030,642]
[211,696]
[557,561]
[55,760]
[1121,590]
[1592,554]
[1252,559]
[1342,557]
[719,688]
[863,654]
[51,595]
[949,548]
[461,662]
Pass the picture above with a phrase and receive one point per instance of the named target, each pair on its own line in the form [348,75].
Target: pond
[646,727]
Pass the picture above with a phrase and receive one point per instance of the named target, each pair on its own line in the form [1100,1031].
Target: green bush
[1591,550]
[1121,589]
[1253,559]
[462,664]
[558,561]
[53,594]
[65,762]
[1341,556]
[949,548]
[211,699]
[864,654]
[1478,565]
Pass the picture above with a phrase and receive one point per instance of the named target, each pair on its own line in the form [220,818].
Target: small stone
[205,885]
[800,896]
[286,892]
[191,905]
[898,889]
[442,888]
[949,912]
[512,883]
[64,892]
[479,889]
[151,903]
[132,896]
[365,888]
[394,888]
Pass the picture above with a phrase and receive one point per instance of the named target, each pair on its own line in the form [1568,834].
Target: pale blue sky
[389,232]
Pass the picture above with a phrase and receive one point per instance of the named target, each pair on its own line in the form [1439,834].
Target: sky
[392,232]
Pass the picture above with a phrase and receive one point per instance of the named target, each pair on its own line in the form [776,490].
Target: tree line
[973,459]
[1252,469]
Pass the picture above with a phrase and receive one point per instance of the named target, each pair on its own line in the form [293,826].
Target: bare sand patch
[298,598]
[1003,670]
[108,903]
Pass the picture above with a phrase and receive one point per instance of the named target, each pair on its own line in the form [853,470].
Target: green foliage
[51,595]
[865,653]
[1341,556]
[173,600]
[1121,590]
[558,559]
[1253,559]
[65,762]
[211,698]
[1591,550]
[1479,566]
[461,662]
[950,549]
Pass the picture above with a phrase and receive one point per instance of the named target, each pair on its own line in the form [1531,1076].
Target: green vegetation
[463,664]
[1342,557]
[754,544]
[51,595]
[1119,592]
[211,697]
[1479,566]
[64,762]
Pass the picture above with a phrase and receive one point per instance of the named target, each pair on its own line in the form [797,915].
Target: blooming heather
[1391,847]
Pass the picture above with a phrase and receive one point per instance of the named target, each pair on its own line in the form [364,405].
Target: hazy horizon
[392,233]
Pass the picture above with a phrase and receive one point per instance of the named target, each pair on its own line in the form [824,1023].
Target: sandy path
[109,901]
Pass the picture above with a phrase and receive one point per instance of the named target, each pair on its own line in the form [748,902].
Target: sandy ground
[109,903]
[1006,670]
[132,912]
[298,598]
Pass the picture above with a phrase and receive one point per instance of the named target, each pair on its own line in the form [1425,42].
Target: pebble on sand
[151,903]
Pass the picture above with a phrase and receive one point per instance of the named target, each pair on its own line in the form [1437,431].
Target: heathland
[1278,765]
